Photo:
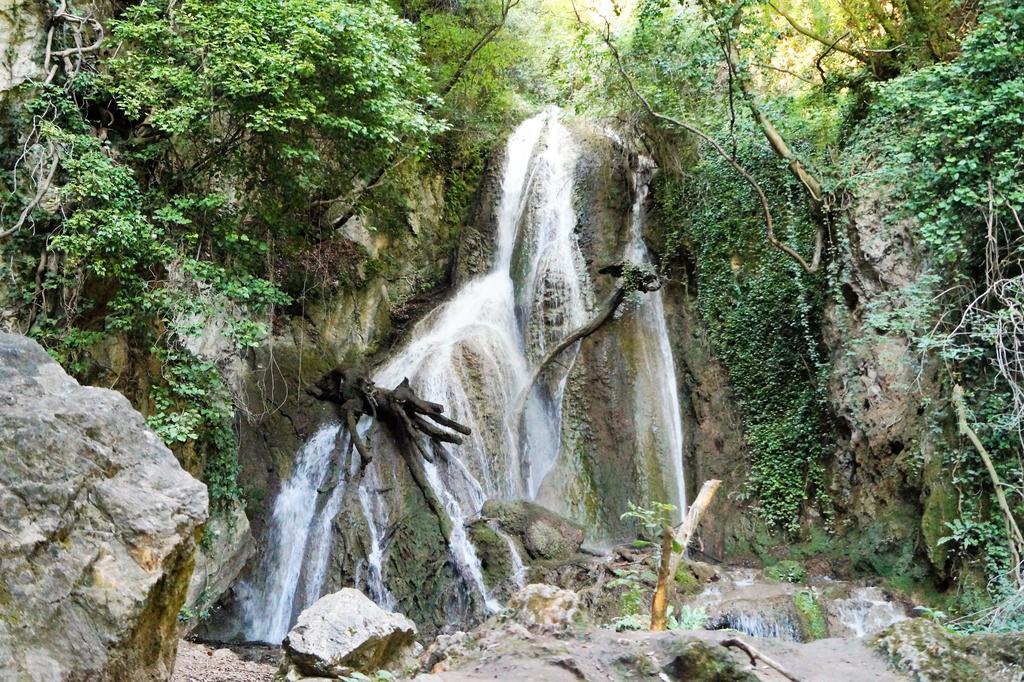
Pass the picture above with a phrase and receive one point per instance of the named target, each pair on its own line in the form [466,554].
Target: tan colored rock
[545,606]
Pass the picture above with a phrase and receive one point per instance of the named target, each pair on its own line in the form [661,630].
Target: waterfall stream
[473,354]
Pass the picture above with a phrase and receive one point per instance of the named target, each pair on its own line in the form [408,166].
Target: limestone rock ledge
[97,529]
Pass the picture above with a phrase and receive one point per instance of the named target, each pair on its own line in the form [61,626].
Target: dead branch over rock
[632,278]
[406,416]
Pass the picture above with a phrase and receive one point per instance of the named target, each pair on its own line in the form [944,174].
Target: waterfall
[299,540]
[375,512]
[656,392]
[474,354]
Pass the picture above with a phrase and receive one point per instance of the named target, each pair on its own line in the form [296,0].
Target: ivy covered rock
[97,528]
[925,651]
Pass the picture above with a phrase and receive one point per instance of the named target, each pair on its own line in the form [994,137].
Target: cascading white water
[298,540]
[375,511]
[470,347]
[656,390]
[866,611]
[473,354]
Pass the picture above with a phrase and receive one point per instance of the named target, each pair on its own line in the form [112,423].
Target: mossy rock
[786,571]
[543,533]
[811,615]
[699,661]
[687,580]
[924,650]
[493,551]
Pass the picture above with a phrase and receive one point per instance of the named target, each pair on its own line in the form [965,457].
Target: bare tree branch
[762,198]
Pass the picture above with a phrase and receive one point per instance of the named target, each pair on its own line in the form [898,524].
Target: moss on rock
[495,559]
[787,571]
[924,650]
[705,662]
[811,615]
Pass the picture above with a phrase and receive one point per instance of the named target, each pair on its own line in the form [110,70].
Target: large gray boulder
[97,526]
[345,632]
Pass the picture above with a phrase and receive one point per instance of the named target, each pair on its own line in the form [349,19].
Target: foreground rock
[509,651]
[926,651]
[345,632]
[97,525]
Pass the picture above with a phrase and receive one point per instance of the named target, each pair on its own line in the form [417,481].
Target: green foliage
[686,618]
[812,617]
[309,87]
[964,133]
[199,612]
[631,622]
[763,319]
[786,571]
[652,518]
[634,596]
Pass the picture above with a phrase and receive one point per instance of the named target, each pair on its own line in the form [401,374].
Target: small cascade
[866,611]
[759,624]
[518,567]
[299,540]
[656,395]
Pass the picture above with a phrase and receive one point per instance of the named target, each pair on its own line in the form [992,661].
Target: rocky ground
[199,662]
[512,652]
[515,653]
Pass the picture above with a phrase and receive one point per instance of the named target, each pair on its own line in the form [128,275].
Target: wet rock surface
[544,606]
[342,633]
[543,533]
[926,651]
[97,527]
[219,560]
[511,651]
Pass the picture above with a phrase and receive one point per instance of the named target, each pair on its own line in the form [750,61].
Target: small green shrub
[786,572]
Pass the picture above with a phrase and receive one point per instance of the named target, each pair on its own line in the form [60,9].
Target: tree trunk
[670,560]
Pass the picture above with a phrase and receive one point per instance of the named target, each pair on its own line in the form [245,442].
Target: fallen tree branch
[406,416]
[634,278]
[756,655]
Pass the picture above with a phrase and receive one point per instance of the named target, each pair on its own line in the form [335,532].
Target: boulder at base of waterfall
[97,527]
[345,632]
[544,606]
[542,533]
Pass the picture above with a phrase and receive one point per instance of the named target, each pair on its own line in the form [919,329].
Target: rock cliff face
[97,529]
[22,32]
